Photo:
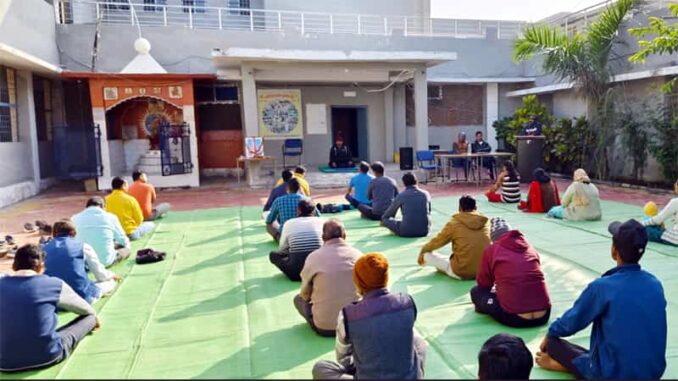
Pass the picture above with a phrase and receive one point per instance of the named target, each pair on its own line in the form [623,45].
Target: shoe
[30,228]
[44,227]
[9,239]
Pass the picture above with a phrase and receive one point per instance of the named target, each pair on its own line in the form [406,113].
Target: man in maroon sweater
[511,286]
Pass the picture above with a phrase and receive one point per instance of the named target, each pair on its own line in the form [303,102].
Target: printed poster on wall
[280,113]
[316,119]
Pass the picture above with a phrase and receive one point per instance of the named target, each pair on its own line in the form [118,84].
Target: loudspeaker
[406,158]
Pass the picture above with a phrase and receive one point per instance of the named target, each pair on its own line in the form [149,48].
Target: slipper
[9,239]
[30,228]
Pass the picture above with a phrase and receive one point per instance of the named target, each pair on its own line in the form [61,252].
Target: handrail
[248,19]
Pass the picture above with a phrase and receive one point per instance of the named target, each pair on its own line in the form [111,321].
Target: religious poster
[254,147]
[110,93]
[280,113]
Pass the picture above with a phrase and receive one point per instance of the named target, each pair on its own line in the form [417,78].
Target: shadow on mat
[266,356]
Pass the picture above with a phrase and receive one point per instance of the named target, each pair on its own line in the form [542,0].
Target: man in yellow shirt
[127,209]
[299,174]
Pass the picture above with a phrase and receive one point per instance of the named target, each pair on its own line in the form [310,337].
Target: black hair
[136,175]
[293,185]
[364,167]
[409,179]
[300,169]
[287,175]
[117,182]
[306,208]
[467,203]
[504,357]
[378,167]
[96,201]
[63,228]
[479,132]
[28,257]
[511,170]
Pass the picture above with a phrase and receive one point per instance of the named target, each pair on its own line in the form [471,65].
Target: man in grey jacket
[415,207]
[381,192]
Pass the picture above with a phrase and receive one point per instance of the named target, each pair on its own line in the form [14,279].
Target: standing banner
[280,115]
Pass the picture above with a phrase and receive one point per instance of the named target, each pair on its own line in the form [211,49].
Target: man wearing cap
[375,336]
[327,280]
[511,265]
[628,311]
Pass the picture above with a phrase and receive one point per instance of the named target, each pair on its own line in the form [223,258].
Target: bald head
[333,229]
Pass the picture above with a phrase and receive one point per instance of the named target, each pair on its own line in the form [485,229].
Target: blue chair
[292,148]
[426,160]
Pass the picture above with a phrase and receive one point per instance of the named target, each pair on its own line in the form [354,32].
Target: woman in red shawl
[542,195]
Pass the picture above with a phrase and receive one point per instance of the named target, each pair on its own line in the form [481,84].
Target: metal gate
[175,149]
[77,152]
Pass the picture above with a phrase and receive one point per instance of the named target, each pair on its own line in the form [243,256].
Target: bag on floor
[149,256]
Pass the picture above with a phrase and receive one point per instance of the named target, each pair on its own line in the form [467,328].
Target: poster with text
[280,113]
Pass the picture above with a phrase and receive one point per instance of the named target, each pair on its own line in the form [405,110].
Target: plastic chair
[292,148]
[426,160]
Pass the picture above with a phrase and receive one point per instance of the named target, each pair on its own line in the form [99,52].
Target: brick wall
[461,105]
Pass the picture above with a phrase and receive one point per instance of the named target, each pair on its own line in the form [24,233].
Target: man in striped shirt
[299,237]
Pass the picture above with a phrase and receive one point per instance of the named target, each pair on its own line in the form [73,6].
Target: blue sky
[527,10]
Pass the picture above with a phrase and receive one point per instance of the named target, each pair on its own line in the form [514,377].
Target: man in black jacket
[481,146]
[340,155]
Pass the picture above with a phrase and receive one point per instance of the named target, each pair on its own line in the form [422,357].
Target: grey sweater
[415,205]
[381,191]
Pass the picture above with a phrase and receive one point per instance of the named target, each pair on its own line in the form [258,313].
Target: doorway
[351,123]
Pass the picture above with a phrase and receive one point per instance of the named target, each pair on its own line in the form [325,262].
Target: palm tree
[583,59]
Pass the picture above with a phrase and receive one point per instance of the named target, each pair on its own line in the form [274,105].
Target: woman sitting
[581,201]
[542,195]
[507,187]
[655,225]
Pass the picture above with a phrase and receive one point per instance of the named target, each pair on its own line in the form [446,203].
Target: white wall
[568,104]
[116,151]
[29,25]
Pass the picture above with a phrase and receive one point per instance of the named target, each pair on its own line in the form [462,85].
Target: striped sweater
[302,235]
[510,190]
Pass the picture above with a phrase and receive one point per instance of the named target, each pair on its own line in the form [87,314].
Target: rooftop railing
[245,19]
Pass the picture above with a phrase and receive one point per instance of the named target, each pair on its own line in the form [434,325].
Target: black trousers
[342,163]
[366,212]
[290,264]
[486,302]
[565,352]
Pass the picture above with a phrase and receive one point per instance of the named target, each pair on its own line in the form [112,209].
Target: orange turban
[370,272]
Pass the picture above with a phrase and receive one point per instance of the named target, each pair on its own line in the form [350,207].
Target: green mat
[328,169]
[217,309]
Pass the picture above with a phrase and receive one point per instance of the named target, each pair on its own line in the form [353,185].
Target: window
[111,4]
[216,93]
[241,5]
[8,119]
[194,6]
[151,8]
[42,98]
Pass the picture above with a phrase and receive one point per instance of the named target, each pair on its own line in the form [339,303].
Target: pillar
[389,123]
[399,117]
[249,102]
[491,112]
[420,110]
[99,119]
[189,117]
[25,80]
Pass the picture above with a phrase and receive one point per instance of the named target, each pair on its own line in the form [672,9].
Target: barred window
[8,117]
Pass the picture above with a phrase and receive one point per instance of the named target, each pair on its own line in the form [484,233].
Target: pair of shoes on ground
[40,226]
[149,256]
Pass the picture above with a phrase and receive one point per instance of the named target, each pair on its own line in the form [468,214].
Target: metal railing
[245,19]
[578,21]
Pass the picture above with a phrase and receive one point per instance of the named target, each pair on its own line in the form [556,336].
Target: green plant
[582,58]
[510,127]
[664,143]
[502,127]
[571,142]
[664,42]
[635,138]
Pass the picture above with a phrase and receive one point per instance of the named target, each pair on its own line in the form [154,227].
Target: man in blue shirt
[628,311]
[358,185]
[284,208]
[102,230]
[278,191]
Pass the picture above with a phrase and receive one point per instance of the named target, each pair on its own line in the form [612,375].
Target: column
[399,118]
[25,80]
[189,117]
[99,119]
[420,110]
[389,123]
[249,102]
[491,112]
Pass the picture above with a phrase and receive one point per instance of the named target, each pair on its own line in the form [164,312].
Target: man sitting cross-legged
[469,232]
[127,209]
[300,237]
[278,191]
[357,187]
[66,257]
[511,266]
[299,174]
[504,357]
[628,310]
[144,192]
[284,208]
[102,230]
[375,336]
[415,206]
[381,192]
[327,280]
[28,315]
